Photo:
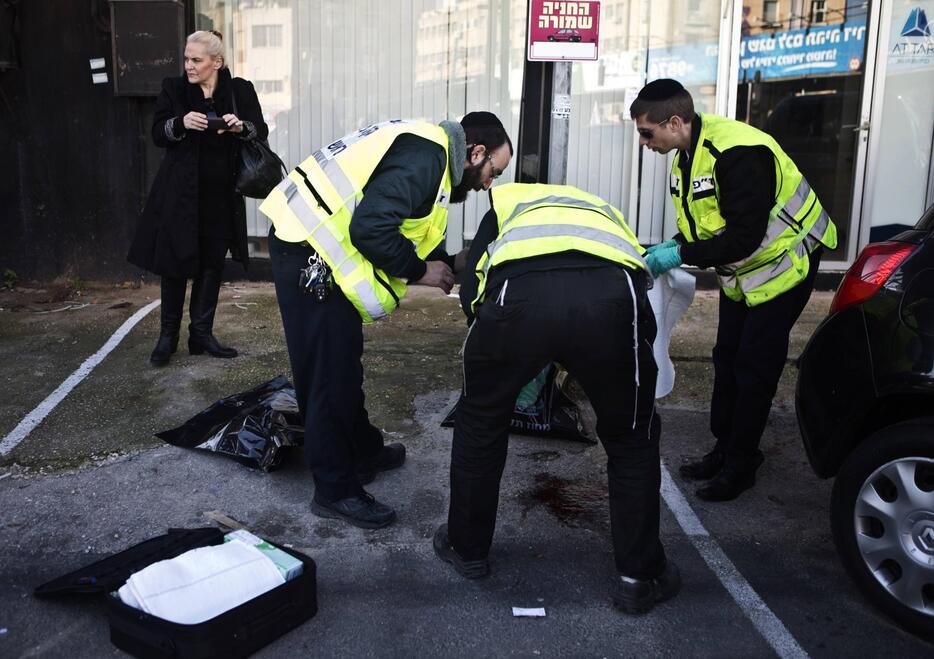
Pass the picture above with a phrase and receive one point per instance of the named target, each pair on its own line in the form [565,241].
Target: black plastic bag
[256,427]
[543,409]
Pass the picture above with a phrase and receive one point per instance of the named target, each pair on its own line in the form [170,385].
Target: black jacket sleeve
[746,180]
[166,120]
[402,186]
[486,233]
[249,111]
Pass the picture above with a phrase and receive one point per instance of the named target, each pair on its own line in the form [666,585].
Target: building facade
[846,86]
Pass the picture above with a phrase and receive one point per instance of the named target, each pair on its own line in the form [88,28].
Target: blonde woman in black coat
[193,215]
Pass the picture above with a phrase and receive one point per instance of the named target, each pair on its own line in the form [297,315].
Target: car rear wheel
[882,515]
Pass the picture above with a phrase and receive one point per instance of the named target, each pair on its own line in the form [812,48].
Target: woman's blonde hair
[213,42]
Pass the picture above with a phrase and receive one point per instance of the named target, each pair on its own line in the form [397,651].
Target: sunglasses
[649,133]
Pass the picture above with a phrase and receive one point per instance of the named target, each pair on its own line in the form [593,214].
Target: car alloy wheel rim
[894,526]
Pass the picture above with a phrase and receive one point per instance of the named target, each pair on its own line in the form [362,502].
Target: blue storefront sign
[693,64]
[820,50]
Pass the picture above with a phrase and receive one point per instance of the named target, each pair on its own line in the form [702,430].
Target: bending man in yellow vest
[559,277]
[743,208]
[353,225]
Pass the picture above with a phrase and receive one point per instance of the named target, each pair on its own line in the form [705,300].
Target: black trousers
[325,343]
[748,359]
[598,324]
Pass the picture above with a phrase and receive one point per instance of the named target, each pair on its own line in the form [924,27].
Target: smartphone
[216,123]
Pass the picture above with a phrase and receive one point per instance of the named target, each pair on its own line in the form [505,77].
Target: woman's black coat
[166,240]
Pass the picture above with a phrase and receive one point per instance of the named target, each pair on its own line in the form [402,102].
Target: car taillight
[870,271]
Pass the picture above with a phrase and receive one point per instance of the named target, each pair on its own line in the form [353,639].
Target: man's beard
[471,180]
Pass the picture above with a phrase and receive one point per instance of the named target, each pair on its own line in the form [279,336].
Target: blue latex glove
[667,243]
[663,259]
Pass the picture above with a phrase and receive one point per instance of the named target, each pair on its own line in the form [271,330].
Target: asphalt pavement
[88,479]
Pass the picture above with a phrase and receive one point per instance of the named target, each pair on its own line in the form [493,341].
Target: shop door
[802,76]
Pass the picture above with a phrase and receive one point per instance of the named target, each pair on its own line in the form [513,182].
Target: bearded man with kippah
[744,209]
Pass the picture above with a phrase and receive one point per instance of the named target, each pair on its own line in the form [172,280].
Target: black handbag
[258,168]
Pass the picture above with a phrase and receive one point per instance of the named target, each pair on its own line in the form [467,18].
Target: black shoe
[165,348]
[446,552]
[391,456]
[200,344]
[703,469]
[730,482]
[640,595]
[362,510]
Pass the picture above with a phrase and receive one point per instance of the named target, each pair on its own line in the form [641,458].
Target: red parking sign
[561,31]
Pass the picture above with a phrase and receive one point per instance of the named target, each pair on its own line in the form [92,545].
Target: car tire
[882,517]
[550,38]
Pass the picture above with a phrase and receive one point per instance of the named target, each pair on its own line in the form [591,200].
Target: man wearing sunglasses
[353,225]
[744,209]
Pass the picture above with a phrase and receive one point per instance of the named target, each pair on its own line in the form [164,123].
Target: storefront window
[800,80]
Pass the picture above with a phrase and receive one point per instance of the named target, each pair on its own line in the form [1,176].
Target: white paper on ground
[670,297]
[519,612]
[202,583]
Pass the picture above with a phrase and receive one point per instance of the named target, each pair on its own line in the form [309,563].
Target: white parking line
[35,417]
[751,604]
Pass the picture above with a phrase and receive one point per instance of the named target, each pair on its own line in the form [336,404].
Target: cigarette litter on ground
[519,612]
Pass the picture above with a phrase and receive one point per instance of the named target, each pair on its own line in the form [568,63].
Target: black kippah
[660,90]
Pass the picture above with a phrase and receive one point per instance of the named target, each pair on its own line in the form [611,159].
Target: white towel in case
[202,583]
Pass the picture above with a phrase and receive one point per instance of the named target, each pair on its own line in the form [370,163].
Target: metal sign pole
[560,123]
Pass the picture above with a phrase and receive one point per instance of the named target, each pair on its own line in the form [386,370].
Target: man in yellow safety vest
[353,225]
[744,209]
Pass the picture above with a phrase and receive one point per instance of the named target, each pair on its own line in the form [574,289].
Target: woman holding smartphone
[193,215]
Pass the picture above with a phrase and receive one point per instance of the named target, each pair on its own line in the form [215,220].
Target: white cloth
[670,297]
[202,583]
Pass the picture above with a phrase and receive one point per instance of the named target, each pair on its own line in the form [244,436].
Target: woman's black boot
[173,301]
[204,292]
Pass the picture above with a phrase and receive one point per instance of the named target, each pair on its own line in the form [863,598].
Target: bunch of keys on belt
[316,278]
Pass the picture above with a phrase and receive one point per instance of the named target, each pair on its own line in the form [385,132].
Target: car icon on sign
[565,35]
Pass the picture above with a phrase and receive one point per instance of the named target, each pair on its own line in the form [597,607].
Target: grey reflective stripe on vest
[562,230]
[758,279]
[370,302]
[565,201]
[774,229]
[816,232]
[333,252]
[794,205]
[335,174]
[777,227]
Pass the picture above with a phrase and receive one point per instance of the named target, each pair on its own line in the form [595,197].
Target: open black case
[235,633]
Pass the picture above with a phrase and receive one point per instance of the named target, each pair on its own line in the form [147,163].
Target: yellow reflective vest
[539,219]
[316,201]
[797,224]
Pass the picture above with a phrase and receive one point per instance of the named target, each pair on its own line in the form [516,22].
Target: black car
[865,406]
